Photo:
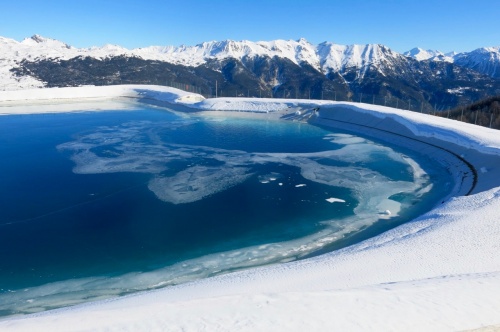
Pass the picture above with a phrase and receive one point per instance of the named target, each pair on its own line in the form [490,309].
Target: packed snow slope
[439,272]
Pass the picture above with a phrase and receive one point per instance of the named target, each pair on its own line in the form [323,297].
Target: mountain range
[485,60]
[279,68]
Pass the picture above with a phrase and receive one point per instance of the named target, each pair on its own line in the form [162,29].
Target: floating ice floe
[334,200]
[269,177]
[345,139]
[196,182]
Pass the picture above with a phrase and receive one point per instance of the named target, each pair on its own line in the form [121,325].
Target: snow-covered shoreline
[440,271]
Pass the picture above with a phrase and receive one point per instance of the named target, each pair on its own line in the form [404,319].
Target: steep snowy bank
[438,272]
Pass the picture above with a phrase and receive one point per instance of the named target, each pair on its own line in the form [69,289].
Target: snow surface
[439,272]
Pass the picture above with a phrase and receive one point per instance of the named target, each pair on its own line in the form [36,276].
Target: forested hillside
[485,112]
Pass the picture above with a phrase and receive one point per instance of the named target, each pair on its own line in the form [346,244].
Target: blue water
[113,195]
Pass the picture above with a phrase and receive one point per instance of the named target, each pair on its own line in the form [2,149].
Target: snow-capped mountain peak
[336,57]
[325,57]
[485,60]
[44,42]
[420,54]
[37,39]
[296,51]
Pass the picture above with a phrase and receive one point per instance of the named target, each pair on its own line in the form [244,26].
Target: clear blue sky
[446,25]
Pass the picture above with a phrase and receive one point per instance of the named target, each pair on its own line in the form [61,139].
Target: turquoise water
[100,204]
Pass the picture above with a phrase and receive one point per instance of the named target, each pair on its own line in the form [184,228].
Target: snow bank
[423,125]
[153,92]
[438,272]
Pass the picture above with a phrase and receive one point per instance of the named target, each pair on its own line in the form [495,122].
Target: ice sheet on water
[88,162]
[138,147]
[196,182]
[369,187]
[345,139]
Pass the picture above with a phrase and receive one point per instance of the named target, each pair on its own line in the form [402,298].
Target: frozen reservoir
[100,204]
